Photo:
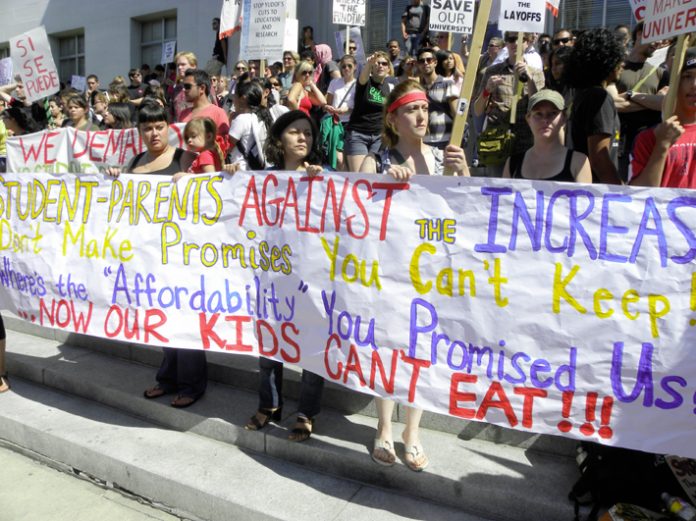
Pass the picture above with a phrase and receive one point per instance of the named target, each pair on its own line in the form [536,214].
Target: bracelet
[486,93]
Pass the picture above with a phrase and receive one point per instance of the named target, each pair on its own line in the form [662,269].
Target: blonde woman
[184,61]
[304,93]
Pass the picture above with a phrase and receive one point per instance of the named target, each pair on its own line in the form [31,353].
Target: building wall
[111,29]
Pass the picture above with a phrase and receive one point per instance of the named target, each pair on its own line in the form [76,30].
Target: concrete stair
[479,469]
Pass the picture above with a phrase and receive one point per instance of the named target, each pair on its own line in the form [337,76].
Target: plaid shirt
[440,93]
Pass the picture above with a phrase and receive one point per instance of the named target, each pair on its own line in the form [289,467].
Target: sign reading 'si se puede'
[33,61]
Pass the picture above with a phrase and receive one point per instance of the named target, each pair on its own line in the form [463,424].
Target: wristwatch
[629,95]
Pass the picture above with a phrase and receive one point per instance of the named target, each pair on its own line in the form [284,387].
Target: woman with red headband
[405,124]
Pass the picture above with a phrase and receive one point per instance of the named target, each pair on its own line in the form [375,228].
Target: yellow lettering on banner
[630,297]
[167,240]
[352,268]
[560,291]
[92,249]
[19,242]
[655,313]
[600,295]
[445,278]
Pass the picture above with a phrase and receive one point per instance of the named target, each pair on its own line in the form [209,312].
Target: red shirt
[206,157]
[680,166]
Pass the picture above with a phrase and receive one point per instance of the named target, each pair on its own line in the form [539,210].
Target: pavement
[33,491]
[77,402]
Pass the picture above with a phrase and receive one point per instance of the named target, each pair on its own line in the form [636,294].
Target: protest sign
[668,18]
[79,83]
[638,9]
[263,30]
[168,51]
[356,36]
[538,306]
[452,16]
[349,12]
[69,150]
[33,61]
[292,34]
[5,71]
[522,15]
[230,18]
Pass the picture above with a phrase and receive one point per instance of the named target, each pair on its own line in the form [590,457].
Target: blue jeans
[271,388]
[412,43]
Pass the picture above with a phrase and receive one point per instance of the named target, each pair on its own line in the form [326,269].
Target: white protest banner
[6,71]
[638,9]
[668,18]
[230,18]
[452,16]
[79,83]
[33,61]
[69,150]
[292,32]
[168,51]
[526,16]
[545,307]
[263,30]
[349,12]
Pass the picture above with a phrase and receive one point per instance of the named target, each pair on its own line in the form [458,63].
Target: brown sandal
[302,429]
[183,401]
[154,392]
[4,383]
[262,418]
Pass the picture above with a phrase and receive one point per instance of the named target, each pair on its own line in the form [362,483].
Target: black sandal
[4,383]
[302,429]
[262,418]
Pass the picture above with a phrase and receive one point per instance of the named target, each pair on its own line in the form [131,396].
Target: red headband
[414,95]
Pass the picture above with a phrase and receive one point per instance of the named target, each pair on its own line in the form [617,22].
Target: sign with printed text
[263,30]
[543,307]
[349,12]
[638,9]
[33,61]
[452,16]
[526,16]
[668,18]
[168,51]
[78,83]
[6,71]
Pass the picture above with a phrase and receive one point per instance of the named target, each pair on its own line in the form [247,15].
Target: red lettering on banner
[153,320]
[291,342]
[387,384]
[179,135]
[502,403]
[456,396]
[417,366]
[63,314]
[529,394]
[95,145]
[251,192]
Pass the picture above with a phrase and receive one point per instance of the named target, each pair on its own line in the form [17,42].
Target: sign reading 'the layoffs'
[522,15]
[33,61]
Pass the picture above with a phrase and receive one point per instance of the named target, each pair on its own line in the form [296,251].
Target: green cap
[549,95]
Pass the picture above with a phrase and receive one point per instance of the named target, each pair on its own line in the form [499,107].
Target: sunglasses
[352,48]
[188,86]
[240,68]
[426,60]
[559,41]
[382,64]
[307,73]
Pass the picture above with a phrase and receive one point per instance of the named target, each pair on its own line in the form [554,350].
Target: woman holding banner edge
[405,123]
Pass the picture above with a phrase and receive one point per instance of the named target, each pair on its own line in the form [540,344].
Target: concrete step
[190,476]
[497,481]
[242,372]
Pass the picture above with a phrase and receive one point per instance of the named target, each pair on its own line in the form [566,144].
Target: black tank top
[173,168]
[516,161]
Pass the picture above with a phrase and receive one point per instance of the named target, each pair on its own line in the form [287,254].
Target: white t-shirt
[249,132]
[338,89]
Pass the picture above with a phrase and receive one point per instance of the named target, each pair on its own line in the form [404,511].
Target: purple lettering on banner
[685,229]
[644,375]
[495,193]
[650,211]
[520,211]
[606,228]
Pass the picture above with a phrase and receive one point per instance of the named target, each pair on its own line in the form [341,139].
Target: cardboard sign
[5,71]
[168,51]
[638,9]
[668,18]
[263,30]
[349,12]
[526,16]
[33,61]
[79,83]
[356,36]
[452,16]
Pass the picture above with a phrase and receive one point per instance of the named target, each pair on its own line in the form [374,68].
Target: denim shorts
[359,144]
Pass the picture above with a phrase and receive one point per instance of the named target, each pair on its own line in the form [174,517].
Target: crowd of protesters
[587,109]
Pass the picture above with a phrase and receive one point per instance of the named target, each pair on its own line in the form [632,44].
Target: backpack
[611,475]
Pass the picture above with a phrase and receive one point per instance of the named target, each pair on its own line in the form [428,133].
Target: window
[71,56]
[153,33]
[581,14]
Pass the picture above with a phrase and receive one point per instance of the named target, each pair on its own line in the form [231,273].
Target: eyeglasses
[189,86]
[382,64]
[559,41]
[426,60]
[352,48]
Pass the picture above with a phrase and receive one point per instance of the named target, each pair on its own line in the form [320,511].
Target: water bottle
[678,507]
